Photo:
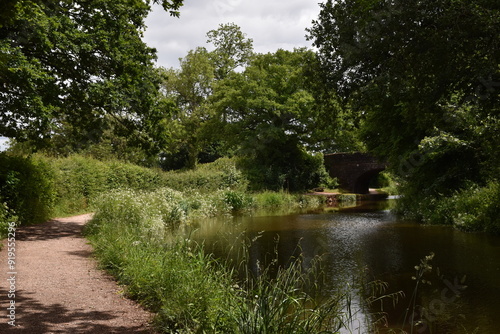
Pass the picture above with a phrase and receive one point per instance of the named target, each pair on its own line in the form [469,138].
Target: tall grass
[285,200]
[138,237]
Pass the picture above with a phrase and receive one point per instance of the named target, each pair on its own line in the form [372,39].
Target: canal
[362,244]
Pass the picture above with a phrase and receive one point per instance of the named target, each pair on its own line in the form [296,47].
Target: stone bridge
[353,170]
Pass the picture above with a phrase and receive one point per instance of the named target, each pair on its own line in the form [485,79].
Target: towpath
[58,286]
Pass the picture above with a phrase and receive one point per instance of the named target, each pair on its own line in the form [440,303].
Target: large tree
[400,62]
[75,62]
[270,115]
[191,126]
[424,80]
[189,88]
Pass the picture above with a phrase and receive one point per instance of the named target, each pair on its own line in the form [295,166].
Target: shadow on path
[52,229]
[96,308]
[44,319]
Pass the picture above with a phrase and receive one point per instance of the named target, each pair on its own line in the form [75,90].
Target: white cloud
[271,25]
[4,143]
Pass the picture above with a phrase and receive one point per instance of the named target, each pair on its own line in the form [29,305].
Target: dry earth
[59,288]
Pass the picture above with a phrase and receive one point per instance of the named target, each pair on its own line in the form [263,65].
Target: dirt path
[59,288]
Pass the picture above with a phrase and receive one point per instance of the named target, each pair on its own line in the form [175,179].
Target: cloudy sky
[272,24]
[3,143]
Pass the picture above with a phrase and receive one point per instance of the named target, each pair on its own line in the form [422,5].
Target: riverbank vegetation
[430,109]
[37,188]
[424,88]
[143,239]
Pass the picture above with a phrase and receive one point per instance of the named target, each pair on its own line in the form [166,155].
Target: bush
[477,209]
[474,208]
[238,201]
[5,218]
[221,174]
[27,188]
[81,179]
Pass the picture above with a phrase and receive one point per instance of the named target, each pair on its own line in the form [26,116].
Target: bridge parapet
[353,170]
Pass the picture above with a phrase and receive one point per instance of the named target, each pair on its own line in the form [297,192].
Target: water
[367,244]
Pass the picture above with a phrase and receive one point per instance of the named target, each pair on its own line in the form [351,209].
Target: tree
[232,49]
[399,62]
[73,62]
[424,80]
[269,114]
[189,87]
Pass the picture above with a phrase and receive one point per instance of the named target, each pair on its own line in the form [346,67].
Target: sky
[272,24]
[3,143]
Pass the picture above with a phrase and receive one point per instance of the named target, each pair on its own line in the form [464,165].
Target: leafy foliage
[267,113]
[189,87]
[73,62]
[27,189]
[191,127]
[423,79]
[232,49]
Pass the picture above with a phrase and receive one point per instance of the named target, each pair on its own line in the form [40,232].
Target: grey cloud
[271,25]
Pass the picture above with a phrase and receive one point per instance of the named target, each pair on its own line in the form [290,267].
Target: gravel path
[58,287]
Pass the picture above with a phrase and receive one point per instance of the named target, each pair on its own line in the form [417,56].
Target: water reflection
[368,242]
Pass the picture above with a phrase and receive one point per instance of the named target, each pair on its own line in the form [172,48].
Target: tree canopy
[403,63]
[270,115]
[75,62]
[232,49]
[423,79]
[191,124]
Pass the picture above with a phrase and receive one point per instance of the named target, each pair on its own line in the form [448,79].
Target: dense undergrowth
[36,188]
[473,208]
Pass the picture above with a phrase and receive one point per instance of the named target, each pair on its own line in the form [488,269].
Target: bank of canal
[370,243]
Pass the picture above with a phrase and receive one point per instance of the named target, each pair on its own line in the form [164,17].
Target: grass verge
[137,236]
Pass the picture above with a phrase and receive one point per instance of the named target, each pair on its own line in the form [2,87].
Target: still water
[368,243]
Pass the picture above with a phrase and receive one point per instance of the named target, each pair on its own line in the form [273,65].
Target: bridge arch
[353,170]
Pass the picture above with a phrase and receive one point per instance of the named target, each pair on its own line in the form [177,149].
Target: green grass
[137,236]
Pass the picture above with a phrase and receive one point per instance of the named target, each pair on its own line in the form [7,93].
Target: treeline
[423,79]
[409,83]
[264,109]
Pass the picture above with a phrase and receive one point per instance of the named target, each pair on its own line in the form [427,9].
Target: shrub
[80,180]
[473,208]
[27,188]
[221,174]
[301,172]
[5,218]
[238,201]
[477,208]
